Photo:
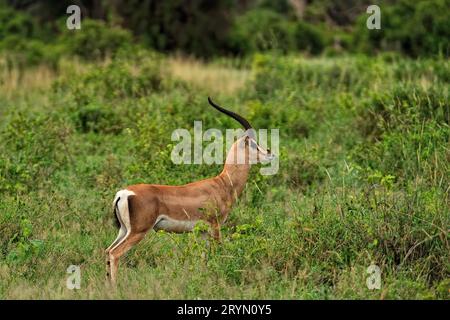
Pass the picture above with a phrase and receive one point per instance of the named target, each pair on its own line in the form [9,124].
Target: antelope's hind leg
[120,236]
[120,249]
[135,221]
[122,213]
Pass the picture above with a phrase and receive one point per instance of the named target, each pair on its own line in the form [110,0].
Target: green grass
[364,178]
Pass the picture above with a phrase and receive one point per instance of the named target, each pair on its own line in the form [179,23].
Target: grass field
[364,177]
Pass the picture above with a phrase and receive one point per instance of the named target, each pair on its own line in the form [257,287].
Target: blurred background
[36,30]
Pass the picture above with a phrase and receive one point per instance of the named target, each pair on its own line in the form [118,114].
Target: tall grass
[364,177]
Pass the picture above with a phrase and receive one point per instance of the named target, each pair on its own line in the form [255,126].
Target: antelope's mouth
[268,158]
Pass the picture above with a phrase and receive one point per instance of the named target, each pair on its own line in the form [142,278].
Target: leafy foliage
[419,28]
[96,40]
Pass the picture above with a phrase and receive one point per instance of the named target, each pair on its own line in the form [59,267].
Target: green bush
[96,40]
[22,40]
[24,52]
[406,131]
[309,38]
[33,147]
[418,28]
[261,30]
[127,75]
[272,73]
[97,119]
[403,107]
[15,23]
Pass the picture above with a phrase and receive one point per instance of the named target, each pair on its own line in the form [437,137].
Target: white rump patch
[124,214]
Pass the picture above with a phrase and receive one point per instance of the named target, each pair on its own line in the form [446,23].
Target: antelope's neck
[235,177]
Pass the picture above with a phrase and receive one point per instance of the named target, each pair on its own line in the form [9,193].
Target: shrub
[407,131]
[23,40]
[309,38]
[97,118]
[24,52]
[272,73]
[261,30]
[127,75]
[15,23]
[403,107]
[32,148]
[416,29]
[96,40]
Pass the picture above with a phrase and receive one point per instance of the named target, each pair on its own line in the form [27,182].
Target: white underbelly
[172,225]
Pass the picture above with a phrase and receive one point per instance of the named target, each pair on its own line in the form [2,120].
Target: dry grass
[13,80]
[37,80]
[213,78]
[210,77]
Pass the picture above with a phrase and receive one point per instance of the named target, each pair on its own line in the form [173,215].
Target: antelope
[142,207]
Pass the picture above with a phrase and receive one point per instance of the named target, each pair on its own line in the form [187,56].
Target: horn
[235,116]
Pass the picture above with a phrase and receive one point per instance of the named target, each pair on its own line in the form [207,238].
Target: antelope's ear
[244,141]
[250,133]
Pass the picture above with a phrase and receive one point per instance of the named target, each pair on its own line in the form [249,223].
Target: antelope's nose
[270,156]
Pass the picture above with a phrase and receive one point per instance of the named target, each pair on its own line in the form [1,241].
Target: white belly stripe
[168,224]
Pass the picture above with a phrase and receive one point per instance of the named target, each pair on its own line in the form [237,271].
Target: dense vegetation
[364,168]
[364,179]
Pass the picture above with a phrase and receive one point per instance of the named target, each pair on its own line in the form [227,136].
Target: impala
[142,207]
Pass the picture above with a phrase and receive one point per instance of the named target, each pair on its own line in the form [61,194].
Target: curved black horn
[235,116]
